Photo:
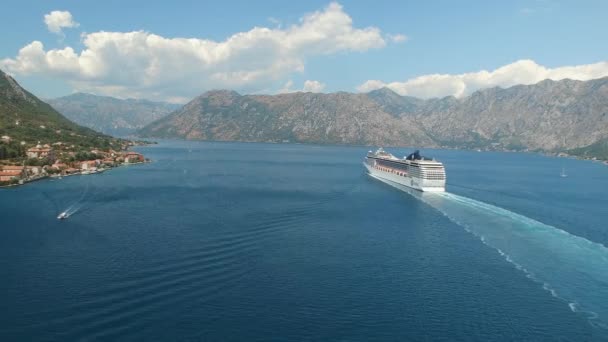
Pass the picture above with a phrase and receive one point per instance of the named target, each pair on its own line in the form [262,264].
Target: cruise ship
[414,171]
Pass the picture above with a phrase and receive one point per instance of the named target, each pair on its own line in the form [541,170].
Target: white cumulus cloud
[397,38]
[143,64]
[313,86]
[57,20]
[309,86]
[287,88]
[520,72]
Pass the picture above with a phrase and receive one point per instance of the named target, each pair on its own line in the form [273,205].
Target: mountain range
[110,115]
[547,116]
[552,116]
[338,118]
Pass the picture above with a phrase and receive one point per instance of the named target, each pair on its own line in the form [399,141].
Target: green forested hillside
[24,117]
[597,150]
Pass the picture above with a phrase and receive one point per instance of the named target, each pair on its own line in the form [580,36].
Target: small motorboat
[62,216]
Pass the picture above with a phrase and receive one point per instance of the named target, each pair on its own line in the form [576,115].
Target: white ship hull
[397,180]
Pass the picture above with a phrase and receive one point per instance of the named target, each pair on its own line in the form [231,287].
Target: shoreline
[458,148]
[57,176]
[86,173]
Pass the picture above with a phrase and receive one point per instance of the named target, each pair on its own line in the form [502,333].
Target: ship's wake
[77,205]
[570,267]
[72,209]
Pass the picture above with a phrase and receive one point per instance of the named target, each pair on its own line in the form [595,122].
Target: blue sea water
[231,241]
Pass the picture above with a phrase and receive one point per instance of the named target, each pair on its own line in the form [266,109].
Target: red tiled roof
[10,173]
[35,149]
[11,167]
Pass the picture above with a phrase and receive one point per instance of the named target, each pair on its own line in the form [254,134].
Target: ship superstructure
[414,171]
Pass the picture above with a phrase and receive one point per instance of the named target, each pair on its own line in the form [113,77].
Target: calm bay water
[228,241]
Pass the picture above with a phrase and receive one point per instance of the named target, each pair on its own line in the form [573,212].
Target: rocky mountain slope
[24,117]
[598,149]
[547,116]
[111,115]
[394,103]
[550,116]
[338,118]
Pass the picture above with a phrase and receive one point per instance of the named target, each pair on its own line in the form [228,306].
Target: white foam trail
[569,267]
[74,207]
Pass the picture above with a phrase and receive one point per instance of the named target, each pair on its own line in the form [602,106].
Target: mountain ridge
[109,114]
[24,117]
[554,116]
[340,118]
[547,116]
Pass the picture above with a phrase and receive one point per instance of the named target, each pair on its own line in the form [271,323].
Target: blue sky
[443,37]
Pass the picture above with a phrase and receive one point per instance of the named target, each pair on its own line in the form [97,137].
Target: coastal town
[20,163]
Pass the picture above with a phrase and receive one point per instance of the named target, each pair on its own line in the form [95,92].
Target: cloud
[143,64]
[397,38]
[313,86]
[276,22]
[539,7]
[287,88]
[309,86]
[527,11]
[520,72]
[57,20]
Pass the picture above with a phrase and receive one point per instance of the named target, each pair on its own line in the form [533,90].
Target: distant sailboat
[563,174]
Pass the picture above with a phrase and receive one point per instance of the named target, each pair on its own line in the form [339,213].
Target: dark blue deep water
[228,241]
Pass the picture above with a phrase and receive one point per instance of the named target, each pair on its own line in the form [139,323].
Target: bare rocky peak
[550,115]
[14,90]
[337,118]
[394,103]
[111,115]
